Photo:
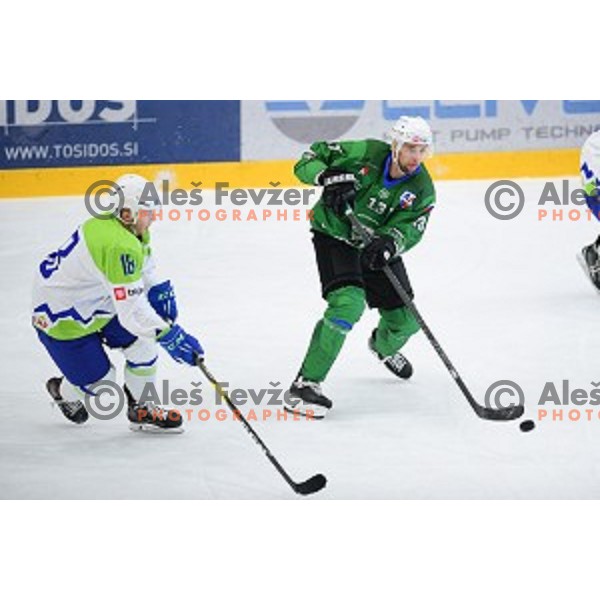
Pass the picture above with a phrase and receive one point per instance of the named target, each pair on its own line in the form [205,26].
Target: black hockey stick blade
[509,413]
[489,413]
[311,486]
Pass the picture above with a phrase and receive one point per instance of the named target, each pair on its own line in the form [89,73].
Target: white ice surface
[506,299]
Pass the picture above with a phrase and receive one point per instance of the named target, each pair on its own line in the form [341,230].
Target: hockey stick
[310,486]
[507,413]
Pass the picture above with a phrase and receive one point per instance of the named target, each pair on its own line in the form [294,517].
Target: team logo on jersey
[364,171]
[131,292]
[406,199]
[40,322]
[384,194]
[120,294]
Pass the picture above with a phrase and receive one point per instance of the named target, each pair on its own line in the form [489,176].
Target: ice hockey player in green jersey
[101,289]
[391,193]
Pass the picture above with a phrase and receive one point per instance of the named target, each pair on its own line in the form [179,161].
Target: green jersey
[396,207]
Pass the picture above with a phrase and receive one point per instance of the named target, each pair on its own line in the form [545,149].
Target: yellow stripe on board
[74,181]
[506,165]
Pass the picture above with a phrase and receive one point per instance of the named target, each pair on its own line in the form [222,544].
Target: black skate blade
[311,486]
[154,429]
[310,411]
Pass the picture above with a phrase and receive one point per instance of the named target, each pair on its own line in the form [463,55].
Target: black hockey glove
[378,252]
[339,191]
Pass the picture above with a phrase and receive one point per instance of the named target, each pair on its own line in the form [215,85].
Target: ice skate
[398,364]
[74,411]
[307,399]
[589,259]
[151,418]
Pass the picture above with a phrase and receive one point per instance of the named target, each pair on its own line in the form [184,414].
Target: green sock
[325,345]
[395,327]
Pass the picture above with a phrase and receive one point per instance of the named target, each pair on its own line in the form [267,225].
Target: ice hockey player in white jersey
[589,258]
[98,290]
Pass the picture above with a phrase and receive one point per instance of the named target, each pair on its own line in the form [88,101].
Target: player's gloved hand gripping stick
[485,412]
[182,346]
[310,486]
[338,190]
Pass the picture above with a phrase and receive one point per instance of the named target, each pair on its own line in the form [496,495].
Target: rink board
[73,181]
[61,147]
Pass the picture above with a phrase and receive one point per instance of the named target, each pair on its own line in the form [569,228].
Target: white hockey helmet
[132,186]
[412,130]
[590,165]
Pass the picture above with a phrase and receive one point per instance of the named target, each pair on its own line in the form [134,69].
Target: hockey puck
[526,426]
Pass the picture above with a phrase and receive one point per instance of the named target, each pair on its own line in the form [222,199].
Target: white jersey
[102,271]
[590,165]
